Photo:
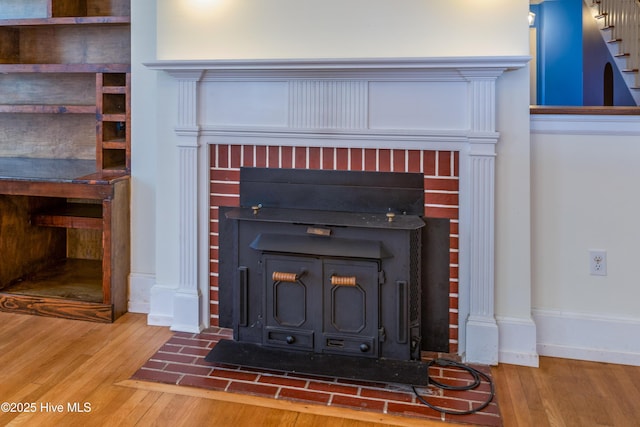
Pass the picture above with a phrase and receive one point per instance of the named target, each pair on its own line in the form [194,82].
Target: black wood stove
[324,263]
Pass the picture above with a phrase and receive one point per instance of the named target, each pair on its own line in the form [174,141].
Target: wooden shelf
[71,215]
[119,144]
[65,68]
[76,279]
[68,20]
[113,117]
[114,90]
[64,221]
[68,288]
[113,101]
[48,109]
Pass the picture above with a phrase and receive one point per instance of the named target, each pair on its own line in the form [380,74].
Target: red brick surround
[441,182]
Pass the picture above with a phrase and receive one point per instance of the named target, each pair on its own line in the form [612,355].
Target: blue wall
[572,56]
[559,25]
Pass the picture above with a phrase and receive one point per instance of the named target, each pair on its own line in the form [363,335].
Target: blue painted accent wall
[559,25]
[572,57]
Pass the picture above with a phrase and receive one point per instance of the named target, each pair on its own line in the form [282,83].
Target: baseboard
[517,341]
[140,292]
[161,305]
[588,337]
[186,312]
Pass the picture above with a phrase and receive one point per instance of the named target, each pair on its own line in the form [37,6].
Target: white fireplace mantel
[413,103]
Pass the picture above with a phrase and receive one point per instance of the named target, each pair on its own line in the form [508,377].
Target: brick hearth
[181,361]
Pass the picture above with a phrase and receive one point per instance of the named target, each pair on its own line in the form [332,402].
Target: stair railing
[621,19]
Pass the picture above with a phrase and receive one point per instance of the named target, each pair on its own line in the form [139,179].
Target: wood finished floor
[48,362]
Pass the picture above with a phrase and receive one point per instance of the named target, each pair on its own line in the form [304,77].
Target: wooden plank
[116,237]
[585,110]
[48,109]
[52,136]
[88,20]
[75,44]
[114,117]
[55,307]
[71,215]
[56,189]
[64,68]
[119,144]
[114,89]
[48,89]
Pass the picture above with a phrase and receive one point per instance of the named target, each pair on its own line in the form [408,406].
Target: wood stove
[326,262]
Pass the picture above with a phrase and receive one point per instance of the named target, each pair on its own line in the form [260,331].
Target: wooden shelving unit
[113,98]
[65,157]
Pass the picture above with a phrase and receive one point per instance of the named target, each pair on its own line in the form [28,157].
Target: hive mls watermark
[49,407]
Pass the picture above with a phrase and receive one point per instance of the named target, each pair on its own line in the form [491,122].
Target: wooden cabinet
[65,132]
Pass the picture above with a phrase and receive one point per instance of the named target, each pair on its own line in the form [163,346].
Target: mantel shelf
[67,20]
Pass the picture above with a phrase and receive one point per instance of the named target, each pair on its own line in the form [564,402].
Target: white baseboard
[186,312]
[517,341]
[482,341]
[140,292]
[161,305]
[588,337]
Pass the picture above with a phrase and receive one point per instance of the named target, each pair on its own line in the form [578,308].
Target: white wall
[585,196]
[209,29]
[216,29]
[144,156]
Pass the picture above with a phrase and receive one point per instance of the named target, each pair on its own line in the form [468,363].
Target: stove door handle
[280,276]
[343,280]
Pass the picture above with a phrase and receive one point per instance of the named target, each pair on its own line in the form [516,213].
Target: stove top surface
[327,218]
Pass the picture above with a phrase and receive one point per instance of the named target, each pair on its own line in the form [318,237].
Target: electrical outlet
[598,263]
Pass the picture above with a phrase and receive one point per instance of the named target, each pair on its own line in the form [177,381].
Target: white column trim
[481,328]
[187,315]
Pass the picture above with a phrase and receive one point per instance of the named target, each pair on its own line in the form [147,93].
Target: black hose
[475,374]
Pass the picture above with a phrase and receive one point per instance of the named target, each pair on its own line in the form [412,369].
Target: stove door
[293,290]
[351,298]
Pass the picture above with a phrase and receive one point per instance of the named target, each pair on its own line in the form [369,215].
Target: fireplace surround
[385,106]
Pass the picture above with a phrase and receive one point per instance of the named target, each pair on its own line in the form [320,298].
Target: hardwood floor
[86,366]
[565,392]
